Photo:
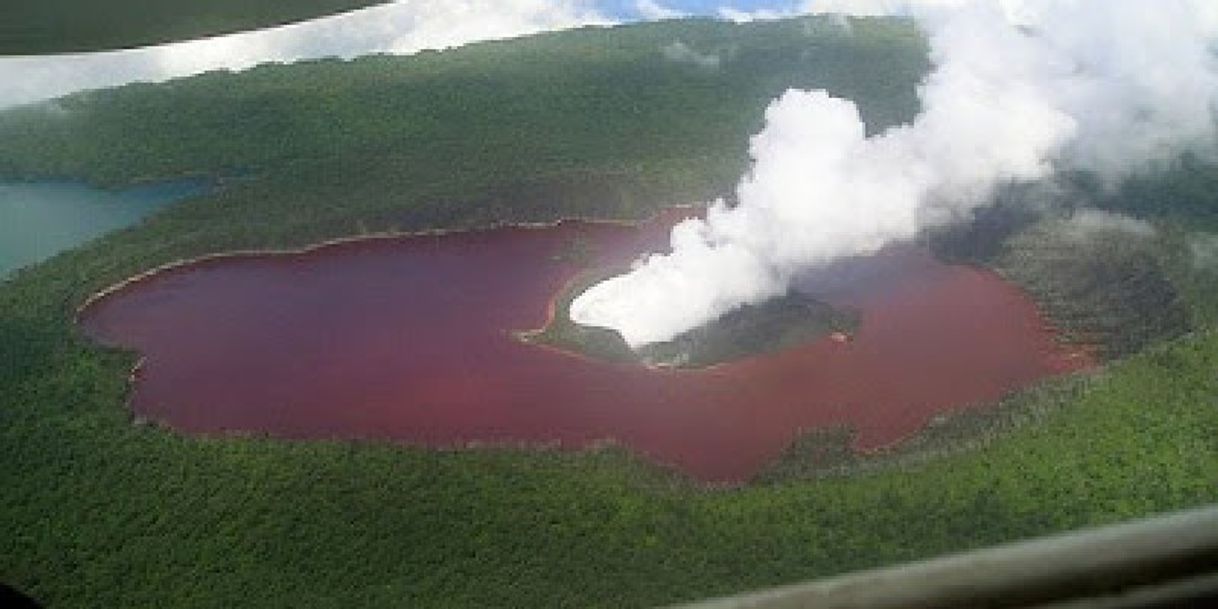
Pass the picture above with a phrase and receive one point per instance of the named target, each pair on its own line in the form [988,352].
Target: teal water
[41,219]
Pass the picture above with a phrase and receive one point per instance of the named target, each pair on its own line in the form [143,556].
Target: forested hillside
[668,105]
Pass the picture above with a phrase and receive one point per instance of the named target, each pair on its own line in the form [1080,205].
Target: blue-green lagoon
[41,219]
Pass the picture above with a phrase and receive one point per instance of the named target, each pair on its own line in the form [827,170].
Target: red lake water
[410,339]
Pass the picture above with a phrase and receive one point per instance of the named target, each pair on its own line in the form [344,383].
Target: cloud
[1089,224]
[680,52]
[736,15]
[400,28]
[1204,247]
[850,8]
[1018,90]
[654,11]
[868,8]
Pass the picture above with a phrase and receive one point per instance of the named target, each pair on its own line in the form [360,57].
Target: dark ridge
[1116,292]
[830,452]
[1184,190]
[1109,290]
[774,325]
[981,239]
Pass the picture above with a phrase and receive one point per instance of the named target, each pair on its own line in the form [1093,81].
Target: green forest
[99,511]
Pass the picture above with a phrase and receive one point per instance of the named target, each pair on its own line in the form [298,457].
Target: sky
[403,27]
[633,9]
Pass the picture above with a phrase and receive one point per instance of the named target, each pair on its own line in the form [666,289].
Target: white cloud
[736,15]
[1088,224]
[1019,89]
[1204,247]
[402,28]
[680,52]
[864,8]
[654,11]
[850,8]
[869,8]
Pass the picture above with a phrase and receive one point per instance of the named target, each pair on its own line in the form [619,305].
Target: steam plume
[1019,89]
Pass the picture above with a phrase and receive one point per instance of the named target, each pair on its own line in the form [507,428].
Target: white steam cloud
[736,15]
[654,11]
[1018,90]
[679,52]
[1204,247]
[1091,224]
[399,28]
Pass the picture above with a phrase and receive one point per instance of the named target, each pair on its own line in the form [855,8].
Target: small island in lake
[774,325]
